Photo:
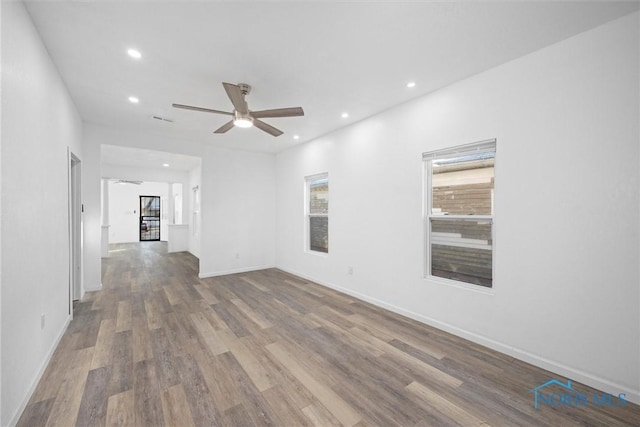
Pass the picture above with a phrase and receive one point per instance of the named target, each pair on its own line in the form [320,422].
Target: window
[459,213]
[317,212]
[176,190]
[196,210]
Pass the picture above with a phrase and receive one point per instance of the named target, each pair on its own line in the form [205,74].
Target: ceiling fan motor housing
[242,116]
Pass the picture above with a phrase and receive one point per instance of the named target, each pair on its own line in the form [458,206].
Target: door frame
[75,228]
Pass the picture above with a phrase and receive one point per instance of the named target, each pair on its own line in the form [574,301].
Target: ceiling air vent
[162,119]
[125,181]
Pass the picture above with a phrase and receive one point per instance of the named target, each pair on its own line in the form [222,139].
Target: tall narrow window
[317,213]
[196,210]
[459,213]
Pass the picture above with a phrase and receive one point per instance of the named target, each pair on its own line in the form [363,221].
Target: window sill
[320,254]
[461,285]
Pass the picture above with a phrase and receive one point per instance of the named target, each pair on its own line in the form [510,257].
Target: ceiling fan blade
[237,98]
[225,127]
[278,112]
[266,127]
[205,110]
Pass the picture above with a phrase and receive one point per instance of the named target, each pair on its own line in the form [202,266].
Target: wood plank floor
[158,346]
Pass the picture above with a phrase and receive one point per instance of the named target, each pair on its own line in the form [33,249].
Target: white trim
[575,375]
[75,227]
[91,289]
[461,285]
[316,253]
[317,176]
[460,150]
[447,217]
[456,239]
[234,271]
[16,416]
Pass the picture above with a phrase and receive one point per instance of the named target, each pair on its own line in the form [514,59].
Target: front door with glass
[149,218]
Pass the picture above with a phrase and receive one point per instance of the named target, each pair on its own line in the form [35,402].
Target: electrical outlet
[237,256]
[350,271]
[42,318]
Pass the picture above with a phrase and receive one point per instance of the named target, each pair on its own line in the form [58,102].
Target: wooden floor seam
[157,346]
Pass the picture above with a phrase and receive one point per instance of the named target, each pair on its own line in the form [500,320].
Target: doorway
[149,218]
[75,230]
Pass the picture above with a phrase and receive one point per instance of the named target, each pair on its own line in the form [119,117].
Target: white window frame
[308,215]
[476,147]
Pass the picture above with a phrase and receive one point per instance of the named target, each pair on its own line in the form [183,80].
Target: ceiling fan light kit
[242,116]
[243,120]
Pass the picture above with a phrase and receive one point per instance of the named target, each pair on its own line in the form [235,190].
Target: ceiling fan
[242,116]
[125,181]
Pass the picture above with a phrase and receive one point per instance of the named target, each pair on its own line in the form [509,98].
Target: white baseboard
[16,416]
[534,359]
[234,271]
[92,288]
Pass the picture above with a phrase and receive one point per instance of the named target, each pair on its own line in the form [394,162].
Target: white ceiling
[325,56]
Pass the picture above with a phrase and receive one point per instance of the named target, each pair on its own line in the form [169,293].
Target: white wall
[124,210]
[194,216]
[0,226]
[567,281]
[39,122]
[91,196]
[238,212]
[143,174]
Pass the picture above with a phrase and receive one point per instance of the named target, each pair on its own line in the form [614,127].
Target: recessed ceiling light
[345,115]
[166,165]
[411,84]
[296,136]
[134,53]
[133,100]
